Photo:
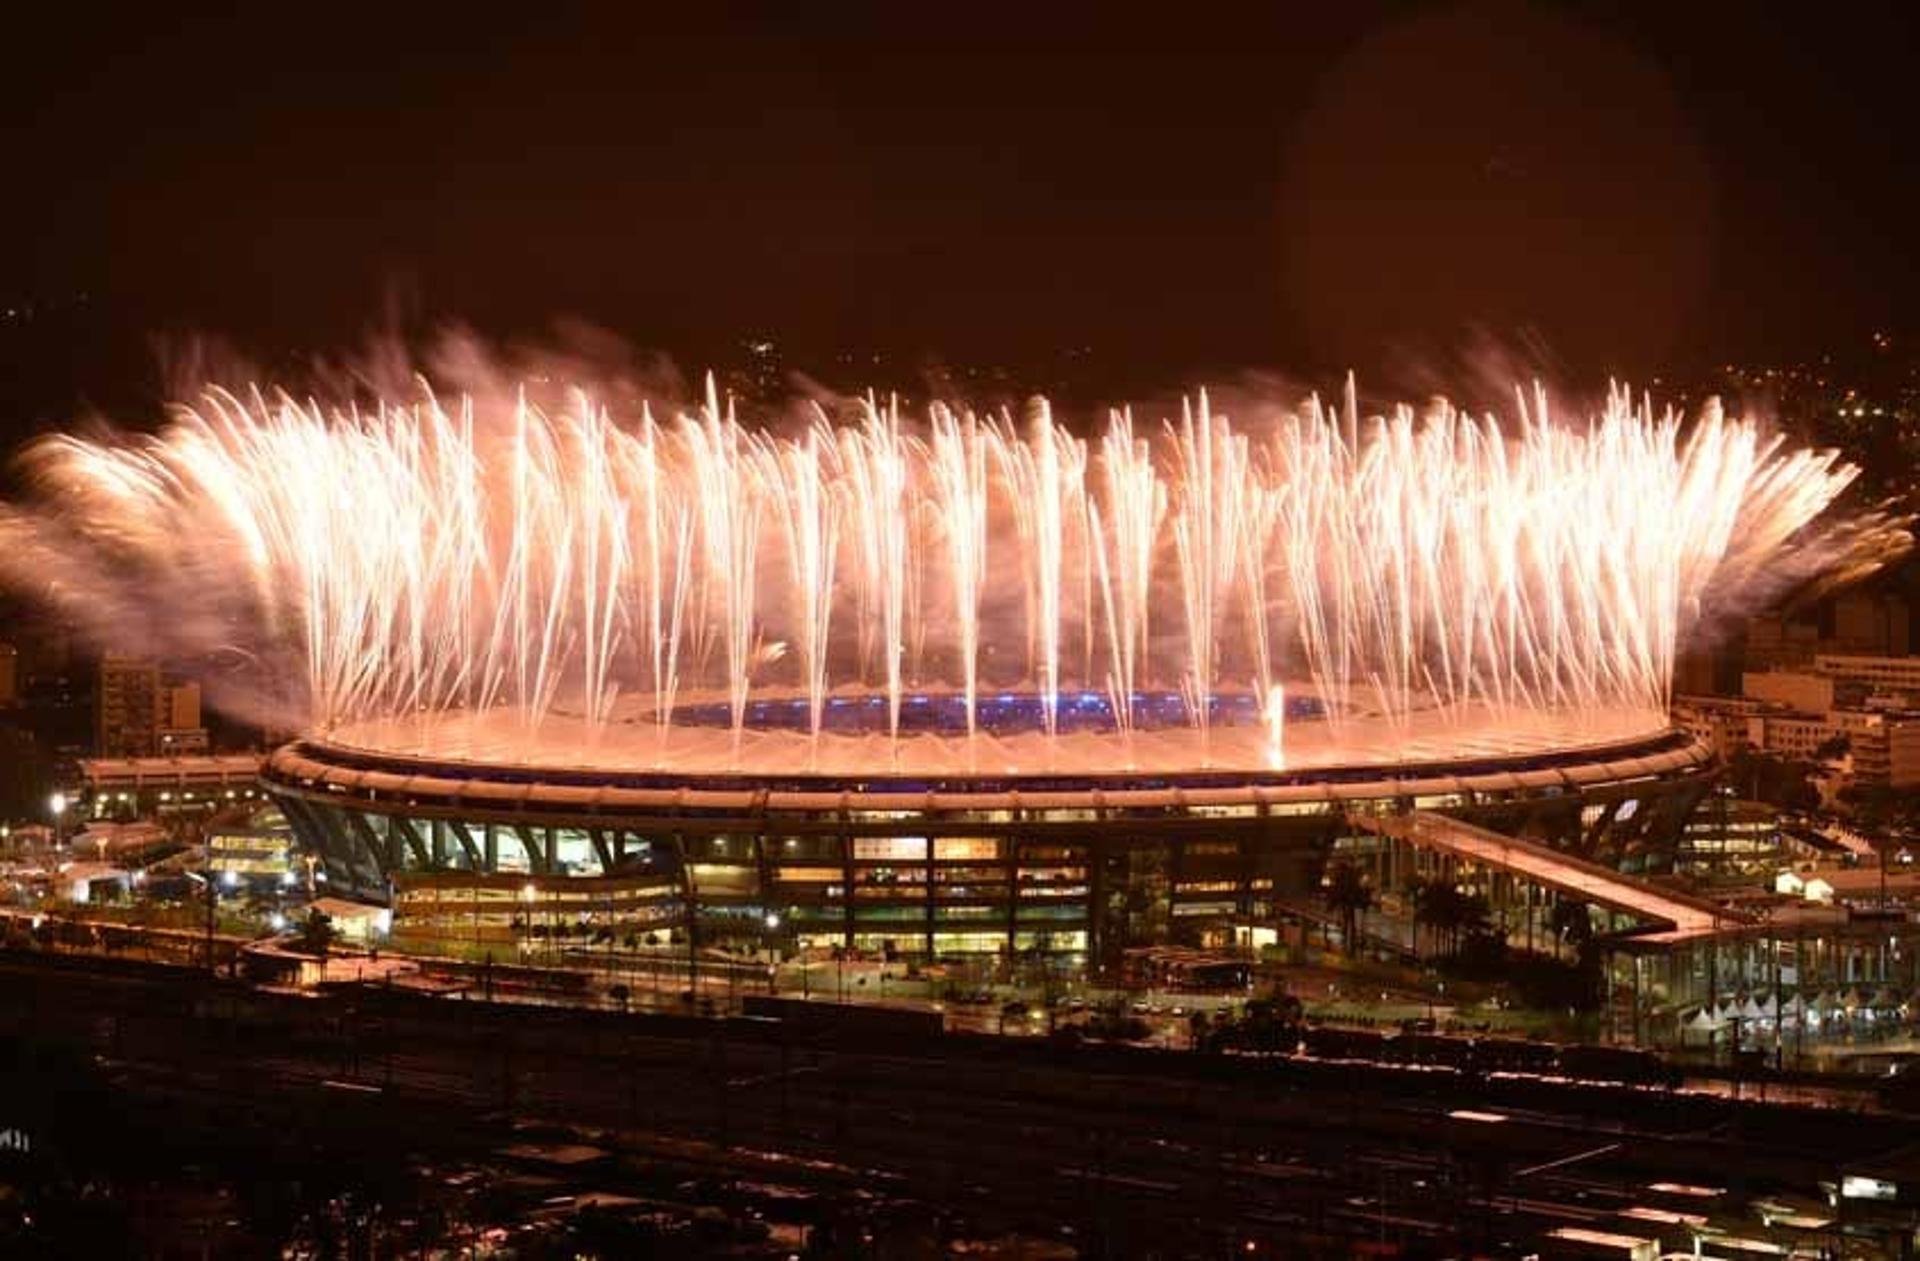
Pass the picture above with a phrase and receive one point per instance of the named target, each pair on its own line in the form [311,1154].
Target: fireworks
[433,555]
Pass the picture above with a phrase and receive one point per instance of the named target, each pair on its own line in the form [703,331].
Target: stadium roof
[509,789]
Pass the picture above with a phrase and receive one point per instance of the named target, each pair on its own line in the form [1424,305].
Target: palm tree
[1448,913]
[1347,895]
[1432,907]
[1475,915]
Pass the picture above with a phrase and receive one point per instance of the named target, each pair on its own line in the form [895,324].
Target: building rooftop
[135,772]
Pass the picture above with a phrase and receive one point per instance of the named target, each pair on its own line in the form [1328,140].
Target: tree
[1450,915]
[1777,781]
[1437,905]
[316,934]
[1878,809]
[1347,895]
[1267,1024]
[1581,983]
[1420,898]
[1571,922]
[1474,917]
[1554,984]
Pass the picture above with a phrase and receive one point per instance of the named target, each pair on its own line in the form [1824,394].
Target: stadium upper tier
[331,769]
[1013,747]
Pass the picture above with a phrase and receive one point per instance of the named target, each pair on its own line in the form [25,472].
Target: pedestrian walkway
[1667,915]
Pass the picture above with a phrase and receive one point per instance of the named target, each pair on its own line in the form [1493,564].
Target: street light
[527,893]
[213,903]
[773,926]
[58,804]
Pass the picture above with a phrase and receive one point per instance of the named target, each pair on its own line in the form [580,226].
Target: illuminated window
[808,875]
[966,848]
[890,848]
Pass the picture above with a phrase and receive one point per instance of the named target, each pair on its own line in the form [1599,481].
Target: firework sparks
[425,558]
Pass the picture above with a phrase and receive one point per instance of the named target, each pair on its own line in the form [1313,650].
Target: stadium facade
[1086,866]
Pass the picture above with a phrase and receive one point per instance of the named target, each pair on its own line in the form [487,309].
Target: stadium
[1081,865]
[972,686]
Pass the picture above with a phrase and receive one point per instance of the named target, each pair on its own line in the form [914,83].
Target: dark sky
[1634,189]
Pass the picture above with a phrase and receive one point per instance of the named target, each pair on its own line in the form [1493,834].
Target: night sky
[1629,191]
